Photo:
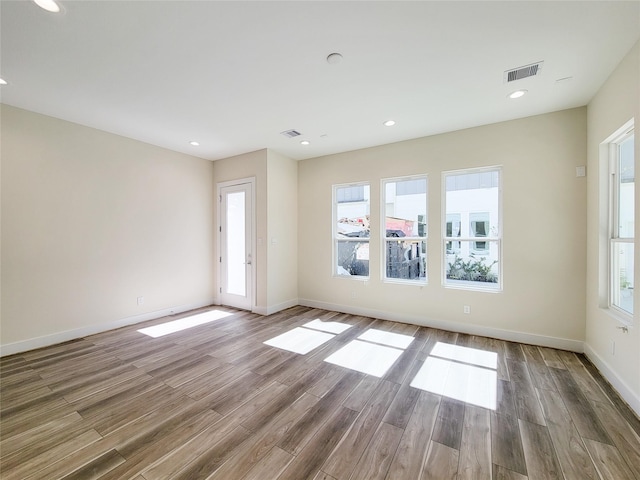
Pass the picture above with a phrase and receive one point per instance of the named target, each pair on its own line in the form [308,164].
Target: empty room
[319,240]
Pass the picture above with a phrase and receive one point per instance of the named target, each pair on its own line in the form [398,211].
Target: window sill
[471,287]
[411,283]
[623,318]
[359,278]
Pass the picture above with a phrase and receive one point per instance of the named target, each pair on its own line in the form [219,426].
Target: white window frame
[383,230]
[334,232]
[474,286]
[612,146]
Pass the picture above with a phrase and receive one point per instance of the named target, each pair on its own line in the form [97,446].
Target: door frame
[252,240]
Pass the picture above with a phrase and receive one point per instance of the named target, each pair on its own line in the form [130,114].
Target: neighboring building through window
[479,229]
[351,230]
[622,224]
[472,232]
[405,232]
[453,231]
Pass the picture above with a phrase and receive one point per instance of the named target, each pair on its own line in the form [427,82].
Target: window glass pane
[453,230]
[406,260]
[406,208]
[479,228]
[472,211]
[352,211]
[469,268]
[477,205]
[622,276]
[472,181]
[626,188]
[411,187]
[236,253]
[352,258]
[355,193]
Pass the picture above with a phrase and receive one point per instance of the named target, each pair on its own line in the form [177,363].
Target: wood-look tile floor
[215,402]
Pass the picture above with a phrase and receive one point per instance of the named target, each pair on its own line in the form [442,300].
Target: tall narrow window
[405,233]
[621,253]
[472,233]
[351,230]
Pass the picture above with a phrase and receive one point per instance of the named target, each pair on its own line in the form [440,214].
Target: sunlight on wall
[184,323]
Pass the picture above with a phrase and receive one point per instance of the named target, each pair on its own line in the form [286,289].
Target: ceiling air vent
[291,133]
[522,72]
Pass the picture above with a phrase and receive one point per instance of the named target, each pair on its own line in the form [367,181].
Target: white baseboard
[521,337]
[60,337]
[612,377]
[275,308]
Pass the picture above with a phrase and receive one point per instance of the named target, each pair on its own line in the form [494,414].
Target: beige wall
[617,102]
[276,224]
[544,220]
[282,238]
[250,165]
[90,222]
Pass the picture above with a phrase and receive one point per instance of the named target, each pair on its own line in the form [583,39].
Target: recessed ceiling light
[334,58]
[389,123]
[3,81]
[193,143]
[517,94]
[305,142]
[48,5]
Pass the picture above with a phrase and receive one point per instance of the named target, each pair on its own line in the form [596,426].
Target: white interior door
[236,245]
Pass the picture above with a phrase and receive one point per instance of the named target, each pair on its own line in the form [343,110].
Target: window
[479,228]
[472,234]
[621,202]
[453,231]
[405,232]
[350,194]
[351,230]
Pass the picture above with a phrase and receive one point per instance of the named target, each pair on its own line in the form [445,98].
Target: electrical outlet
[613,348]
[353,294]
[466,309]
[140,300]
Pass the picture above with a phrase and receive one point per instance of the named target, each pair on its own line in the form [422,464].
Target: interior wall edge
[60,337]
[612,377]
[270,310]
[510,335]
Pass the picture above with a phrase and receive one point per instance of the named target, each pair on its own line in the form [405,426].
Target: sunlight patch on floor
[473,356]
[299,340]
[331,327]
[450,377]
[184,323]
[365,357]
[387,338]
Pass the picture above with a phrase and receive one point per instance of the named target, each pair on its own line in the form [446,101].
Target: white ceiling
[233,75]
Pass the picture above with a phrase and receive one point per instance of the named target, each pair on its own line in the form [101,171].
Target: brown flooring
[215,402]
